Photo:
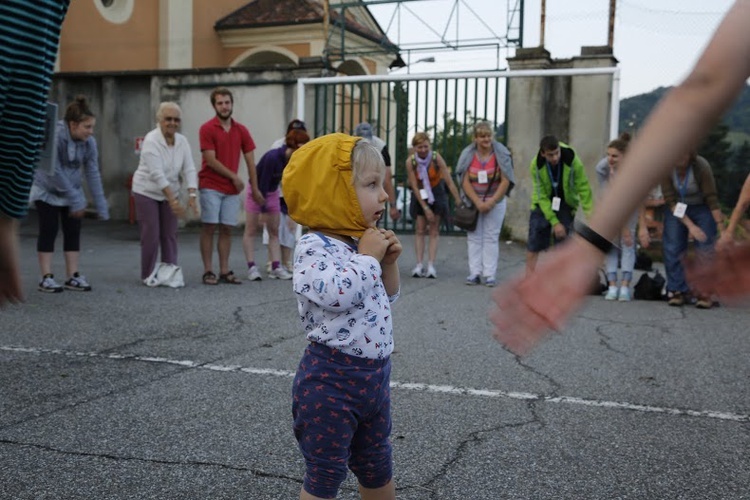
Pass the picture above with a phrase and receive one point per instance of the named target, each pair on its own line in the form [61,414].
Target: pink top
[494,176]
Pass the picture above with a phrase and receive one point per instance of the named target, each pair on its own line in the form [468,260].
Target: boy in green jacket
[559,186]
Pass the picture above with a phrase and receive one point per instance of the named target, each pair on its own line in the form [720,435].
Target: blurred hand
[643,237]
[395,213]
[559,230]
[529,307]
[697,233]
[429,214]
[484,206]
[725,241]
[258,197]
[193,205]
[237,182]
[177,208]
[726,274]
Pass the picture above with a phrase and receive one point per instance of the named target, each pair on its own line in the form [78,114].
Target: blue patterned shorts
[342,418]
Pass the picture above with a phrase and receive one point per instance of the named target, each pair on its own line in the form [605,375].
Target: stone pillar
[591,96]
[576,109]
[523,129]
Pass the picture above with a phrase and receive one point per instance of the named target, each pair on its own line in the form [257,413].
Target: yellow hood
[318,189]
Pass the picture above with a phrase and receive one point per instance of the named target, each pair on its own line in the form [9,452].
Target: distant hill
[634,110]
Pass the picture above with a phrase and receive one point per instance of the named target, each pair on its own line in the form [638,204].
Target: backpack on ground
[648,287]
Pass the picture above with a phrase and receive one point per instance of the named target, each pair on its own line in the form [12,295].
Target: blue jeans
[675,243]
[624,257]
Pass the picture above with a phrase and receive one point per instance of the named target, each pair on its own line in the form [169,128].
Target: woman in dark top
[269,171]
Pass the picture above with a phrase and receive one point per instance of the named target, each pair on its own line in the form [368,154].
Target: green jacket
[575,184]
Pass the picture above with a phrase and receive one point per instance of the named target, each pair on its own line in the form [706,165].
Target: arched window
[268,59]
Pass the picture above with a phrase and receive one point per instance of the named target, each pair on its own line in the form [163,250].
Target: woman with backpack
[429,179]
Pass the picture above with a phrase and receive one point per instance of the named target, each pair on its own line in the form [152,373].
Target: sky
[656,43]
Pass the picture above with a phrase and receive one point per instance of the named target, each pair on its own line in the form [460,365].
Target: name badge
[556,203]
[679,210]
[423,194]
[482,177]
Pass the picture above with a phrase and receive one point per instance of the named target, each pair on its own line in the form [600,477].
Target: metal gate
[446,106]
[398,107]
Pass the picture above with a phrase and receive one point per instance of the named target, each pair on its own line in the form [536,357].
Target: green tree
[401,96]
[738,173]
[452,137]
[718,151]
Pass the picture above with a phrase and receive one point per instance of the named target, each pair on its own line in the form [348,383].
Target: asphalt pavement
[129,392]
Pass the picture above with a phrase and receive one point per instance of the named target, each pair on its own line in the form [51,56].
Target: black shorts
[439,207]
[540,230]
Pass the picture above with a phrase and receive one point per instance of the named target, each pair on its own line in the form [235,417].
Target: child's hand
[394,247]
[373,243]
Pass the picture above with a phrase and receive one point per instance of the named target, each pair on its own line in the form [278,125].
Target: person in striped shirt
[29,37]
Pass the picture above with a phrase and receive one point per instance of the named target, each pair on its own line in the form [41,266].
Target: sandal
[229,278]
[209,278]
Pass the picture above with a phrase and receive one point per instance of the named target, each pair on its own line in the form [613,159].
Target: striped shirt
[29,37]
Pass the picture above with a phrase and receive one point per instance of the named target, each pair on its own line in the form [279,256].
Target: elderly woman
[165,166]
[60,199]
[486,171]
[429,179]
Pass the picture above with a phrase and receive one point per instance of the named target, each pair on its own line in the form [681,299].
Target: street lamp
[423,60]
[399,63]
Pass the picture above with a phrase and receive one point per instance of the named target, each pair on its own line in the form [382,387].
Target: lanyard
[682,187]
[555,181]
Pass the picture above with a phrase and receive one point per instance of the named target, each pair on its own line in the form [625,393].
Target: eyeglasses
[175,119]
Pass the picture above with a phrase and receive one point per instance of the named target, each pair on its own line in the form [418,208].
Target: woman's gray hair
[167,105]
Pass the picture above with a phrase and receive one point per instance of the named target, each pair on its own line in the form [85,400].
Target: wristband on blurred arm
[593,237]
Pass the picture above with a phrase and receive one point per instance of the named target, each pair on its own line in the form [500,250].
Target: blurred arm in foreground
[529,307]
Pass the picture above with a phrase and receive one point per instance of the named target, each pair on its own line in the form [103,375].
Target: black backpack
[648,287]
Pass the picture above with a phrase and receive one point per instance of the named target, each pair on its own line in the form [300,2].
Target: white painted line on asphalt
[439,389]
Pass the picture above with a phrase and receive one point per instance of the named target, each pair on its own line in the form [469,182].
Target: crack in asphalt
[462,449]
[188,463]
[112,392]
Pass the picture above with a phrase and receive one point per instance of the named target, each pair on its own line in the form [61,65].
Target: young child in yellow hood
[345,278]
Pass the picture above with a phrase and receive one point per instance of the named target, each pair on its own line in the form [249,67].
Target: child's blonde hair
[365,158]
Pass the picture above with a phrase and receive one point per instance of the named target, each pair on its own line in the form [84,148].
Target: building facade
[127,56]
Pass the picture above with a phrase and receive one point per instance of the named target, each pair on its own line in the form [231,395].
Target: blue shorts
[540,230]
[219,208]
[342,417]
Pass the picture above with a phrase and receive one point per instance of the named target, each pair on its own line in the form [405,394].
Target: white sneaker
[253,274]
[279,274]
[611,293]
[431,273]
[418,271]
[624,294]
[49,285]
[77,283]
